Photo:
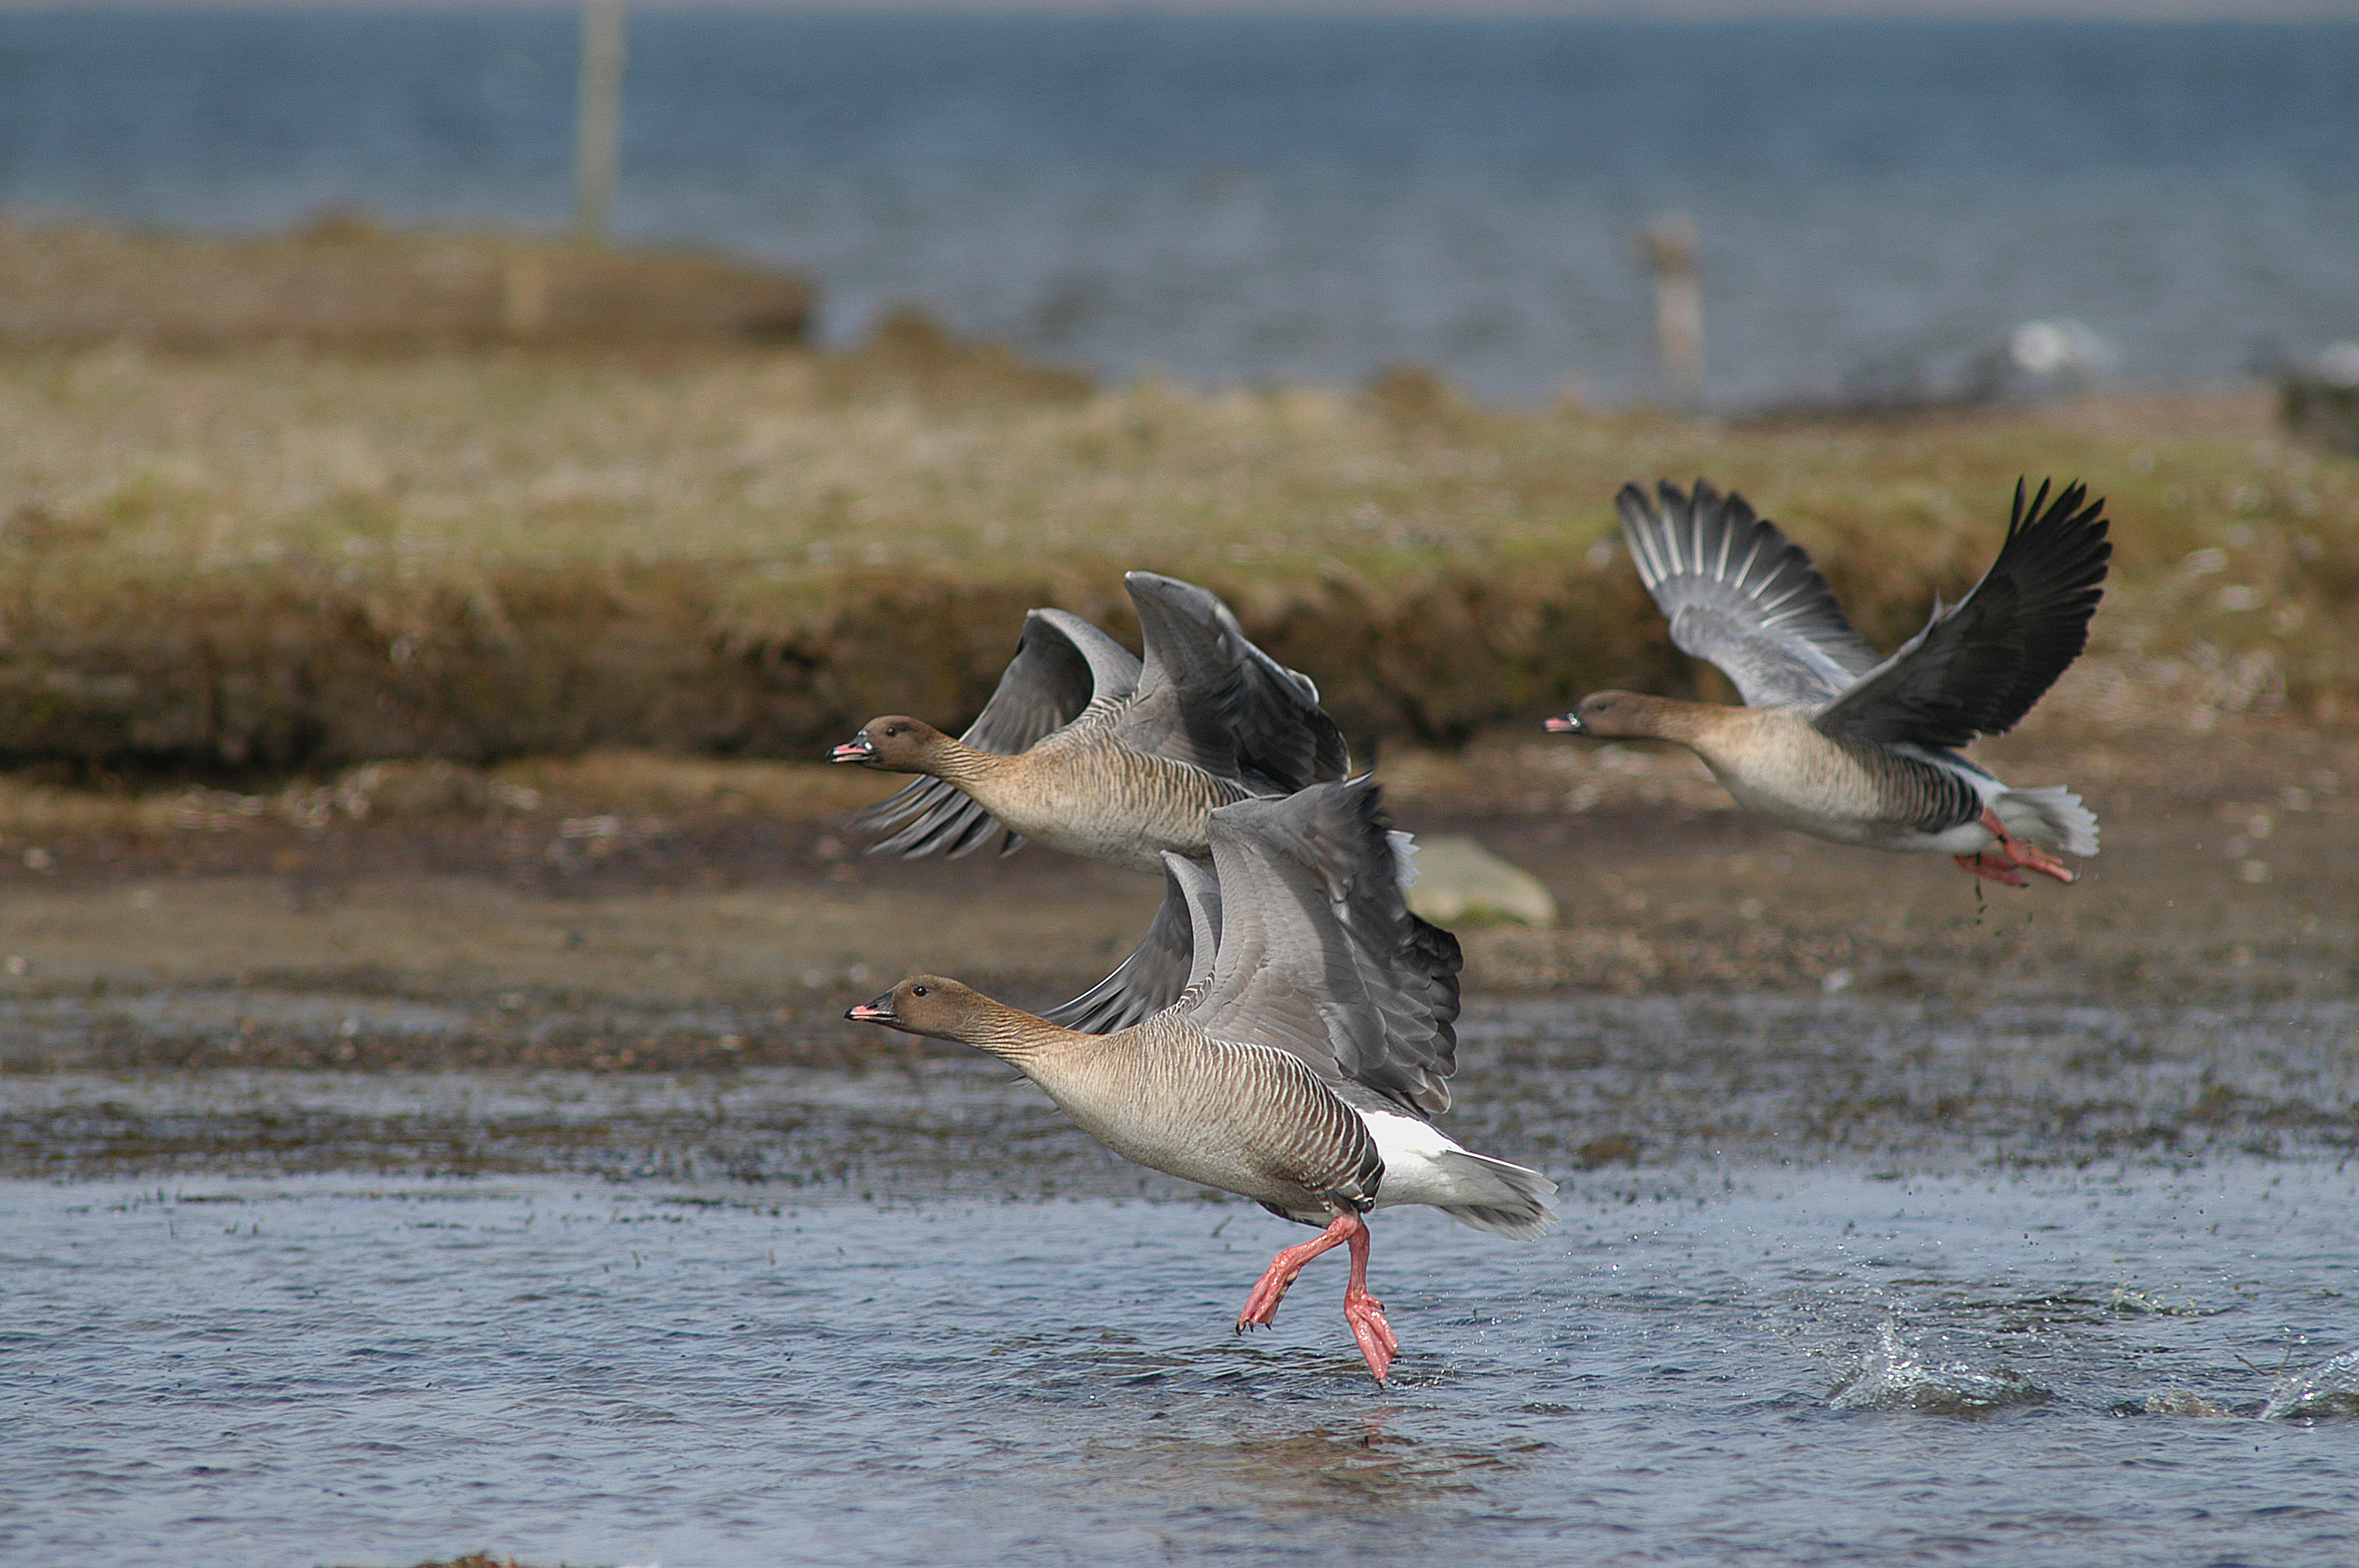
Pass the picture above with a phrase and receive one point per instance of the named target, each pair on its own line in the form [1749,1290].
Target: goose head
[895,743]
[941,1009]
[1611,715]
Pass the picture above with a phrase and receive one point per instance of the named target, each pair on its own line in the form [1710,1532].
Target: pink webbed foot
[1261,1306]
[1366,1314]
[2032,858]
[1361,1310]
[1998,868]
[2014,852]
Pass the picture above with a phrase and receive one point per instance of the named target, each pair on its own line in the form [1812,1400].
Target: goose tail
[1512,1200]
[1404,847]
[2050,814]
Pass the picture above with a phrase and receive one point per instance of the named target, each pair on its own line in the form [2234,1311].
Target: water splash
[2186,1402]
[2129,1302]
[2330,1388]
[1895,1378]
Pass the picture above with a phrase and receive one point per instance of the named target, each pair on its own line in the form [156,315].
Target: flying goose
[1302,1064]
[1835,741]
[1086,748]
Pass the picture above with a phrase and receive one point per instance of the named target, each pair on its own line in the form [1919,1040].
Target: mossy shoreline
[274,676]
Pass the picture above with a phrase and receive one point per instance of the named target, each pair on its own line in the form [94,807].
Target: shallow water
[911,1315]
[1803,1364]
[2032,1302]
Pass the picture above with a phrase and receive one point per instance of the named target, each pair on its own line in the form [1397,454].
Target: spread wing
[1742,596]
[1062,663]
[1318,954]
[1176,956]
[1177,950]
[1208,696]
[1977,669]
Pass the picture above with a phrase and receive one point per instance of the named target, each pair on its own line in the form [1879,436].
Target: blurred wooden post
[1670,242]
[598,130]
[523,295]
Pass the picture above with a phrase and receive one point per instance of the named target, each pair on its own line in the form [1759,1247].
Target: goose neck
[1691,724]
[1018,1037]
[954,760]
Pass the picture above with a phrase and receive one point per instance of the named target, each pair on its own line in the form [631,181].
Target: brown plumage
[1082,789]
[1833,741]
[1091,750]
[1298,1066]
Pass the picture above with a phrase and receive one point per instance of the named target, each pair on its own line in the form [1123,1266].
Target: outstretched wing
[1177,949]
[1062,663]
[1208,696]
[1318,954]
[1977,669]
[1741,595]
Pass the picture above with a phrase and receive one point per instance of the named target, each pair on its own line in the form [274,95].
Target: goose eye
[917,990]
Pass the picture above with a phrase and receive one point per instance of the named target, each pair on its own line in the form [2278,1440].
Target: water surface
[1229,199]
[1797,1365]
[910,1315]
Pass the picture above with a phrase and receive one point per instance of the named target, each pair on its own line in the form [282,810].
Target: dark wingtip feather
[2055,559]
[1421,959]
[1980,666]
[1246,715]
[930,816]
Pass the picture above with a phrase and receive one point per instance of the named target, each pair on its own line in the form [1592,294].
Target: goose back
[1063,666]
[1078,792]
[1775,762]
[1114,758]
[1236,1115]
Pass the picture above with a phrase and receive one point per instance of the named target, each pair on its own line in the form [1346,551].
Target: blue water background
[1231,199]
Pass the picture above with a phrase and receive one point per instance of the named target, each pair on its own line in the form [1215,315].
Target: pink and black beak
[859,749]
[877,1012]
[1563,724]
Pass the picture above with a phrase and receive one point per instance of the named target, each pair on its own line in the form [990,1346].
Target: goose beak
[877,1012]
[1563,724]
[857,750]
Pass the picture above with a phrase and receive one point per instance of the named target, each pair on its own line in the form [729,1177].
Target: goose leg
[1366,1314]
[1262,1305]
[2029,856]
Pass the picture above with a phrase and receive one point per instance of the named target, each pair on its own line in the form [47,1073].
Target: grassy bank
[278,558]
[346,283]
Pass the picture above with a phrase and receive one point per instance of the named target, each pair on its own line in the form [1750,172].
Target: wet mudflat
[2071,1285]
[1631,1090]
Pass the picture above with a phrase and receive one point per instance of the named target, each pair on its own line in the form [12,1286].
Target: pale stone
[412,788]
[1458,881]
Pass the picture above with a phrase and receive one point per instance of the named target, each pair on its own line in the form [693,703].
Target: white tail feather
[1404,856]
[1424,1164]
[1509,1199]
[2050,814]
